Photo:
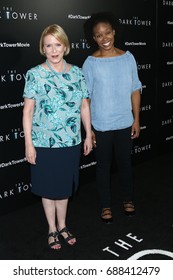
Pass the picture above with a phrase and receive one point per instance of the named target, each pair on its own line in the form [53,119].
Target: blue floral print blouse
[58,98]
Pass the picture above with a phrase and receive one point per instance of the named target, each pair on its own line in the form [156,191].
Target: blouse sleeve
[87,71]
[30,88]
[136,82]
[83,85]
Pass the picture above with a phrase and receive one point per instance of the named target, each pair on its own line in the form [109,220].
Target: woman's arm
[28,112]
[136,101]
[86,120]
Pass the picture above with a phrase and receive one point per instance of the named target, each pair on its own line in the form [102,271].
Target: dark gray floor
[23,233]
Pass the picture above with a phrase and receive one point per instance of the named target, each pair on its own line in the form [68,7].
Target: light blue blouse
[110,83]
[56,119]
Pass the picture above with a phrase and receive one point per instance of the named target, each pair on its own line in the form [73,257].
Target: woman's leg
[50,212]
[61,211]
[103,167]
[123,147]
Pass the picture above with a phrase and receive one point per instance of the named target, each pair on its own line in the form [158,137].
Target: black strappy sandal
[55,242]
[69,236]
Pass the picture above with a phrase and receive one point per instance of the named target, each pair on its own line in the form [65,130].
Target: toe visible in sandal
[55,245]
[67,236]
[129,208]
[106,216]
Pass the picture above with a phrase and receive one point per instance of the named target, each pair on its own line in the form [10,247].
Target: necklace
[57,73]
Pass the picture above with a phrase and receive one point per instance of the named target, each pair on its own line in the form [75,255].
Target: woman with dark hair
[114,92]
[55,102]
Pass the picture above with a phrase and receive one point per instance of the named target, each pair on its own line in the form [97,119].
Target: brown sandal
[106,216]
[129,208]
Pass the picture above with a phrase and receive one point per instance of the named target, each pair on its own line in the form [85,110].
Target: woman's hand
[87,145]
[135,130]
[30,154]
[93,138]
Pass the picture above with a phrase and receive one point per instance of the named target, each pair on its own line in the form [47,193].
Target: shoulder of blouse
[34,69]
[91,58]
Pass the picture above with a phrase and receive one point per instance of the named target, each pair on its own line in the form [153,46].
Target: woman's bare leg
[61,211]
[50,212]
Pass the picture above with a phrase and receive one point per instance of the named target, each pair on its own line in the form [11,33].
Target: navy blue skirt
[56,173]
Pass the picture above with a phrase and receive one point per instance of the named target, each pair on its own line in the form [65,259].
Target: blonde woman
[55,103]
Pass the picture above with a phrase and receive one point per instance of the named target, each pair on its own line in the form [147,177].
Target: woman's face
[53,49]
[103,34]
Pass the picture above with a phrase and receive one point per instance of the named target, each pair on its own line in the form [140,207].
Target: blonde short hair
[59,33]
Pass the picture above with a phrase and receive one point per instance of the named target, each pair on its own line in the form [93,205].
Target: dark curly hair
[96,18]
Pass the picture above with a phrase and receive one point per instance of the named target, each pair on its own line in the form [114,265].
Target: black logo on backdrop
[170,22]
[168,138]
[167,3]
[12,75]
[167,122]
[135,44]
[14,45]
[167,84]
[145,108]
[169,63]
[141,149]
[13,135]
[135,21]
[167,44]
[11,106]
[169,101]
[8,13]
[144,66]
[144,127]
[12,162]
[81,17]
[80,45]
[12,191]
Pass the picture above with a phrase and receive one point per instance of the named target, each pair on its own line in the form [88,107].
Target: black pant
[119,143]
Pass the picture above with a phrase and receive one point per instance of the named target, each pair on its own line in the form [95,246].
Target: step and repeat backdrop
[164,92]
[144,28]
